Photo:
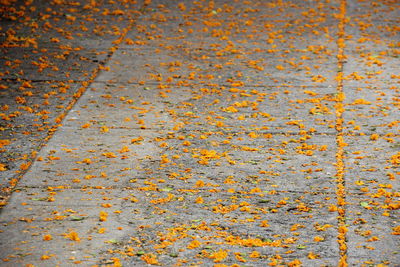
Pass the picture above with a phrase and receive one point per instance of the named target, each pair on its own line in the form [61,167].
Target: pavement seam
[128,188]
[222,84]
[68,108]
[340,144]
[42,80]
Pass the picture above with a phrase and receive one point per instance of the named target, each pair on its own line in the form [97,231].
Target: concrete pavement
[224,133]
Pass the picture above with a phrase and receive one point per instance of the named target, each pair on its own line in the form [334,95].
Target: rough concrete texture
[213,133]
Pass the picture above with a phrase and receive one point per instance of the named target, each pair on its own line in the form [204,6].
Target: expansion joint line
[340,144]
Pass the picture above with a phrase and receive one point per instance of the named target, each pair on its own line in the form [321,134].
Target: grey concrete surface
[210,138]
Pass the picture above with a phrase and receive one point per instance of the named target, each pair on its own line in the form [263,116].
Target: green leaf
[76,218]
[364,204]
[40,199]
[167,189]
[301,247]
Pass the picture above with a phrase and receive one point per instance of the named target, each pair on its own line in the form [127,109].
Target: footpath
[200,133]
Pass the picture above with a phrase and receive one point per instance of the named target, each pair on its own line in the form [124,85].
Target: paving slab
[371,230]
[29,110]
[258,69]
[371,111]
[371,164]
[143,107]
[136,218]
[246,165]
[47,219]
[33,65]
